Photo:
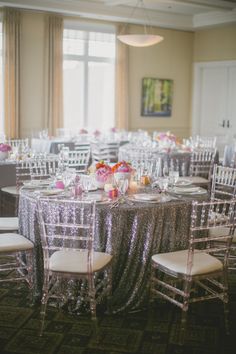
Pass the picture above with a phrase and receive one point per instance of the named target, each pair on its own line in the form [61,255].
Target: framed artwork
[157,95]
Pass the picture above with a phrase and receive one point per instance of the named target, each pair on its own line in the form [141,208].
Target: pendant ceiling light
[140,40]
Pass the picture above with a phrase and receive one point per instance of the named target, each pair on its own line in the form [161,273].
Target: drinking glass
[122,184]
[163,183]
[85,183]
[173,177]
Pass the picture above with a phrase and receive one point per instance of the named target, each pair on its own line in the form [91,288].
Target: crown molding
[101,11]
[213,19]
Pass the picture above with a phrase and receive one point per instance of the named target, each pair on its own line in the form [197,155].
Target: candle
[113,193]
[145,180]
[133,185]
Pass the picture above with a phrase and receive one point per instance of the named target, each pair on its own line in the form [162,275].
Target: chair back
[78,160]
[23,172]
[211,222]
[204,142]
[42,168]
[223,182]
[19,145]
[201,163]
[107,152]
[66,224]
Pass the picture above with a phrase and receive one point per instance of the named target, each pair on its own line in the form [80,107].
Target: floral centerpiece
[4,149]
[122,167]
[103,173]
[122,170]
[83,131]
[166,140]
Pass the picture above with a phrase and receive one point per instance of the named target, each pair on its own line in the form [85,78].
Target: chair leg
[225,302]
[44,302]
[92,294]
[29,278]
[109,289]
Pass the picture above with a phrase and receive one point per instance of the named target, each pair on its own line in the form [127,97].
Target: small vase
[3,155]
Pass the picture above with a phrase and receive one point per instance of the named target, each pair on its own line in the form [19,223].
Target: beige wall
[170,59]
[32,73]
[215,44]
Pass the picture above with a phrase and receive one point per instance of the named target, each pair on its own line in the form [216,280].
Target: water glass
[173,177]
[163,183]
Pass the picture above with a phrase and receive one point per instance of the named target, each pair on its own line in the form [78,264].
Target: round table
[131,233]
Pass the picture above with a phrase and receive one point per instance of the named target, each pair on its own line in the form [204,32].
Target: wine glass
[173,177]
[163,184]
[122,184]
[86,183]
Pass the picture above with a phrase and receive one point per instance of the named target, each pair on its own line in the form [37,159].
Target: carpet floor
[151,331]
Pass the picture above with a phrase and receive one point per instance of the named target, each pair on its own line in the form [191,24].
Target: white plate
[49,192]
[183,183]
[36,183]
[99,198]
[151,198]
[189,190]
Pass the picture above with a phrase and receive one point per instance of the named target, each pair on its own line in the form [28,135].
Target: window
[1,84]
[89,76]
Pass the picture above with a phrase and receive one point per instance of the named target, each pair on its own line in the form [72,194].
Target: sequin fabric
[131,233]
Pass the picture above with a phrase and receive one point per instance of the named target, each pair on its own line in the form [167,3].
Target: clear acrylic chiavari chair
[67,234]
[78,160]
[197,273]
[107,152]
[223,182]
[201,166]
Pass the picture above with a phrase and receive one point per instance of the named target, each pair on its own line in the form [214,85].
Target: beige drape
[122,89]
[11,64]
[54,73]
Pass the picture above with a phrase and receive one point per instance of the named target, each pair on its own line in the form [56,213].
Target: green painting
[157,97]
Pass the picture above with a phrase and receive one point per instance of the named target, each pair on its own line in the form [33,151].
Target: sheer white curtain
[11,65]
[122,88]
[54,73]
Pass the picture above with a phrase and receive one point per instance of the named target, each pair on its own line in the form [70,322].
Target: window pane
[73,79]
[102,44]
[101,95]
[73,42]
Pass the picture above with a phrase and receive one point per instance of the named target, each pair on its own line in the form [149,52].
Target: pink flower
[83,131]
[5,147]
[122,166]
[113,130]
[96,133]
[103,173]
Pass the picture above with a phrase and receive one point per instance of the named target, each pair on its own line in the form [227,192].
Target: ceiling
[176,14]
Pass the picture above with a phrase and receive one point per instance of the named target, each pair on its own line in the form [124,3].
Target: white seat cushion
[76,262]
[14,242]
[7,224]
[10,190]
[177,262]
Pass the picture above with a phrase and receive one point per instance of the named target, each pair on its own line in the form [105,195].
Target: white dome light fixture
[140,40]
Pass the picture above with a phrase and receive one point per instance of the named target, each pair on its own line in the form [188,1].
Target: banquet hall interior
[117,176]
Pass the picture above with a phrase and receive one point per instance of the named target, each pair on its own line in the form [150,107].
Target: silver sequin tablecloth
[131,233]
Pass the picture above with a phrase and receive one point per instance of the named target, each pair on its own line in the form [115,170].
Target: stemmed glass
[163,183]
[86,182]
[173,177]
[122,184]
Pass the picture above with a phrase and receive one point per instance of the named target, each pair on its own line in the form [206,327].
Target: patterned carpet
[151,331]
